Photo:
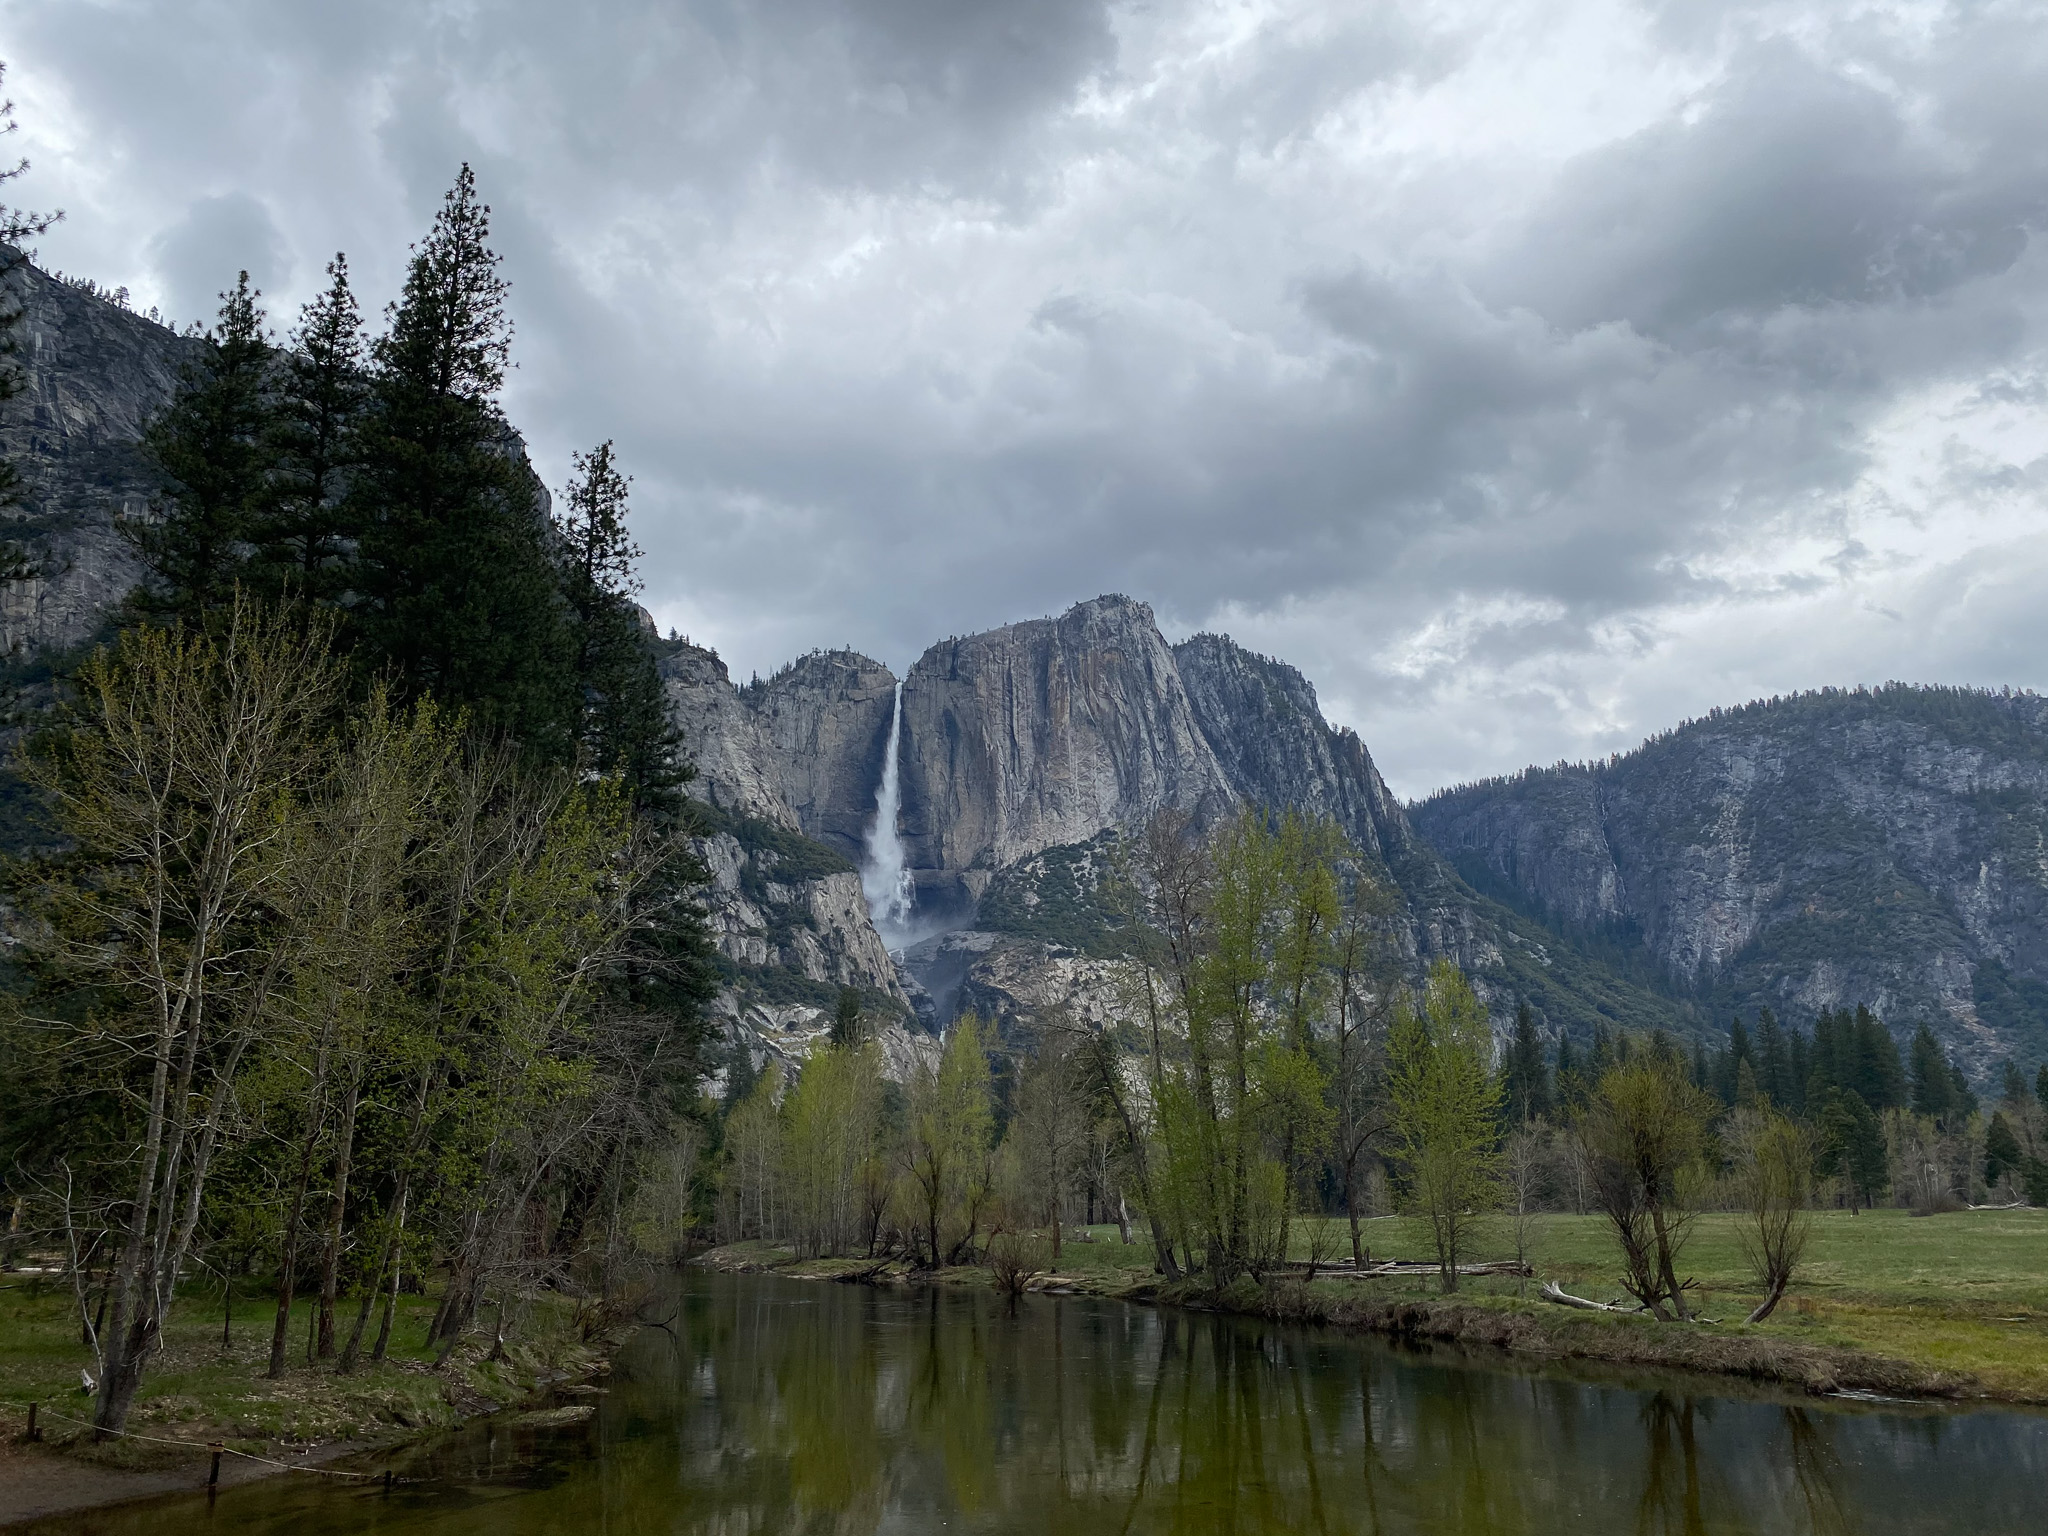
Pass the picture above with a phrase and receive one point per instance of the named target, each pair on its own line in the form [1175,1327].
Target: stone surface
[825,722]
[1262,720]
[816,927]
[92,376]
[789,1032]
[1046,733]
[1888,848]
[802,749]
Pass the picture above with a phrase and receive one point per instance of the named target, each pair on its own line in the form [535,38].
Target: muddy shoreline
[1528,1331]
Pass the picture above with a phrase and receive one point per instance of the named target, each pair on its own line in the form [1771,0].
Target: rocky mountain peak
[1045,733]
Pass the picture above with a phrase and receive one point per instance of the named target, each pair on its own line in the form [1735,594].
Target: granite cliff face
[92,376]
[1024,748]
[803,749]
[1045,733]
[1886,847]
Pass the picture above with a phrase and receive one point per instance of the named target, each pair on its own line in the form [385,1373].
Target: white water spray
[884,878]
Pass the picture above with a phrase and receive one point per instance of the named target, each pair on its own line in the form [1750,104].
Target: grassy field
[196,1390]
[1965,1293]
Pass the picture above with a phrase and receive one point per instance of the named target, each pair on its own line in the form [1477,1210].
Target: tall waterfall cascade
[884,877]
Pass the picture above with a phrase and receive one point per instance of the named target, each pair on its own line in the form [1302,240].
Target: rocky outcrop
[1845,847]
[92,375]
[802,749]
[765,910]
[788,1032]
[1047,733]
[825,722]
[1262,720]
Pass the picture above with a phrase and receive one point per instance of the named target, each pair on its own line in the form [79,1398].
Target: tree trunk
[1671,1290]
[337,1208]
[1768,1305]
[287,1274]
[1351,1212]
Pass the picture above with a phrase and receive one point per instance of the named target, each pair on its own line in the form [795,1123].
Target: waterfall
[884,878]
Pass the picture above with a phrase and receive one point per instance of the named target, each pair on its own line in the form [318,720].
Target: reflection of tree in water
[1817,1471]
[902,1412]
[949,1400]
[825,1388]
[1670,1505]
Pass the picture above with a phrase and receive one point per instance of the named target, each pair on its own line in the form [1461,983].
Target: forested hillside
[1883,847]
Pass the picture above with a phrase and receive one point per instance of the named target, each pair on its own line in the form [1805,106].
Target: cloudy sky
[1532,376]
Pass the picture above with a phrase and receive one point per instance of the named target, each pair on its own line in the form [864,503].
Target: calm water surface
[779,1406]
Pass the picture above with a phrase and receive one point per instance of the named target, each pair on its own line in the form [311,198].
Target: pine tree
[1739,1052]
[1933,1087]
[302,535]
[848,1029]
[211,447]
[1526,1092]
[1798,1068]
[2002,1153]
[456,590]
[1880,1078]
[1773,1068]
[1602,1055]
[1748,1091]
[1961,1095]
[623,722]
[1852,1145]
[1570,1087]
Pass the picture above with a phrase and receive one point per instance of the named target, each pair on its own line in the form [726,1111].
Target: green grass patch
[197,1390]
[1965,1293]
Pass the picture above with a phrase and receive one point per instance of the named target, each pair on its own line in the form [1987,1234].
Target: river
[773,1406]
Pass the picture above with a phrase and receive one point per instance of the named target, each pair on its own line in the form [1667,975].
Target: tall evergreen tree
[1525,1088]
[623,722]
[1739,1051]
[2002,1153]
[1852,1145]
[456,590]
[1570,1086]
[302,535]
[211,446]
[1879,1076]
[1773,1068]
[1934,1092]
[1798,1068]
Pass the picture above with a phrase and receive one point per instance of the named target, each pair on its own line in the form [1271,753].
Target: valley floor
[1950,1306]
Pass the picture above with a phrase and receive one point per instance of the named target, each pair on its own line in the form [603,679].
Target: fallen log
[1552,1291]
[1395,1268]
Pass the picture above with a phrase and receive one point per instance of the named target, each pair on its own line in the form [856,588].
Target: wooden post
[213,1476]
[33,1433]
[387,1482]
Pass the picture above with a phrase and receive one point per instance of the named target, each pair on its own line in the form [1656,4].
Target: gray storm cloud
[1531,376]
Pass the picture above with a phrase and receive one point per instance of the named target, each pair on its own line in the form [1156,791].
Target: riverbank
[201,1391]
[1944,1307]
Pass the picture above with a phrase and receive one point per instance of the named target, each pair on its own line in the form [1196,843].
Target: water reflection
[778,1406]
